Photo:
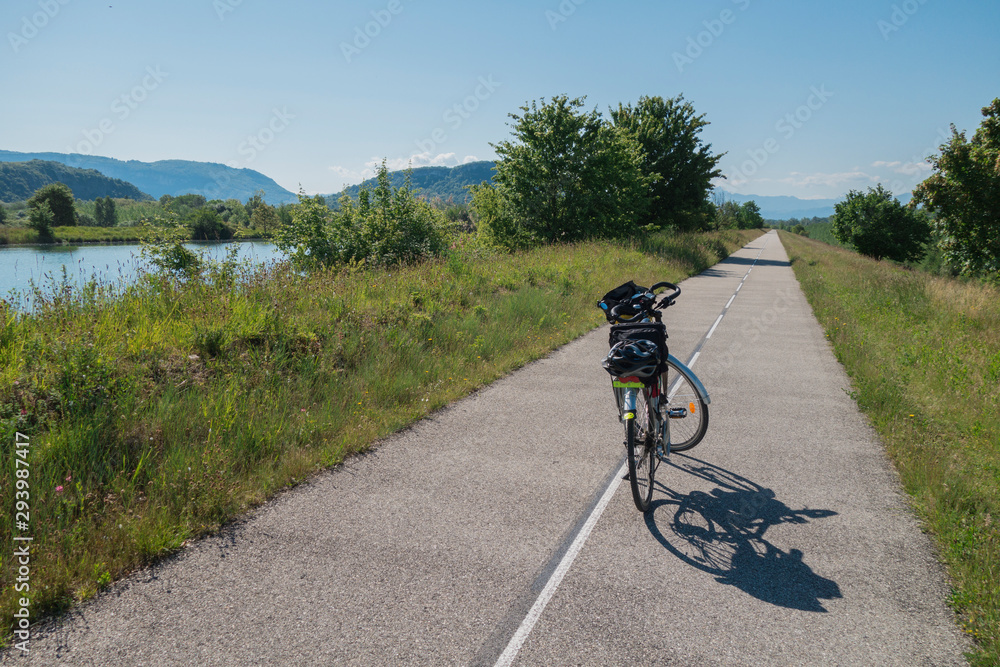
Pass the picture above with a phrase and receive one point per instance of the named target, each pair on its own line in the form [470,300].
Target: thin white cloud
[906,168]
[426,159]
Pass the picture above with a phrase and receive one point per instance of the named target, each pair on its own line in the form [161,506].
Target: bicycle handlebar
[649,308]
[668,299]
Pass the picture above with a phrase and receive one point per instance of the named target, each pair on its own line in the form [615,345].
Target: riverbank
[21,236]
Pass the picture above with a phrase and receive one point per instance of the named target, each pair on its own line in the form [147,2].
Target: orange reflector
[691,408]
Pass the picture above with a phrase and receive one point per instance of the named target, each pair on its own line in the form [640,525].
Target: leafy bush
[385,226]
[206,225]
[566,176]
[40,219]
[877,225]
[60,201]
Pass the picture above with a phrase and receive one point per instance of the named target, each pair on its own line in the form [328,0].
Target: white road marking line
[731,299]
[521,635]
[712,330]
[517,641]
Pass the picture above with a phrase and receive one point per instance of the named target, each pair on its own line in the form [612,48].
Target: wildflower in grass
[69,477]
[59,489]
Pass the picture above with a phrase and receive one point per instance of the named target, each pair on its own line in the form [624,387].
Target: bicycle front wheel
[686,410]
[640,443]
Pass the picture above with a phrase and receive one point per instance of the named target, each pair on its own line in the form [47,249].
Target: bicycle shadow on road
[722,533]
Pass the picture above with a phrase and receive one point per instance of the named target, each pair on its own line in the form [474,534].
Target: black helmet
[638,358]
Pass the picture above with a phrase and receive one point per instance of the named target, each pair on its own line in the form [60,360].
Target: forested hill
[171,177]
[430,182]
[20,180]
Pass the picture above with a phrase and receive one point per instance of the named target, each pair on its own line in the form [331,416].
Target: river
[20,266]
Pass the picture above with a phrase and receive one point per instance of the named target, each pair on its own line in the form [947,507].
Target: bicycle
[661,402]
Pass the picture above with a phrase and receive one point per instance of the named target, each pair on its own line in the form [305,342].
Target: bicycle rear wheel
[687,411]
[641,448]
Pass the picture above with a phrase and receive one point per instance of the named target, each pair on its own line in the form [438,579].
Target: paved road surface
[782,539]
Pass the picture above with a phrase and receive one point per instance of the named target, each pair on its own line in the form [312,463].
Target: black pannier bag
[652,331]
[619,295]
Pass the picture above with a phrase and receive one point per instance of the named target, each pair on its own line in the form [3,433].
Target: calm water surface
[23,265]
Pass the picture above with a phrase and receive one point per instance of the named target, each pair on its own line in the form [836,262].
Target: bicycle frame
[626,394]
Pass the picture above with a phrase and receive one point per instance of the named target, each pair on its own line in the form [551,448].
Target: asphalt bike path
[497,531]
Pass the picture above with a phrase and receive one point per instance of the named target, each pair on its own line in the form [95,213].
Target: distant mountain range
[431,182]
[450,182]
[171,177]
[217,181]
[20,180]
[784,208]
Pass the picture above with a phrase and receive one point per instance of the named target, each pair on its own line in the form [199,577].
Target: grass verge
[923,353]
[157,413]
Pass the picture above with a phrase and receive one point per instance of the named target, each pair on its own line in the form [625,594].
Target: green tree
[3,215]
[60,200]
[727,214]
[105,213]
[205,224]
[40,219]
[236,213]
[749,216]
[681,167]
[98,213]
[964,191]
[265,218]
[306,237]
[257,199]
[567,176]
[877,225]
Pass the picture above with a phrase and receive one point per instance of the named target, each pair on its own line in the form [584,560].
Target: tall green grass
[159,411]
[923,353]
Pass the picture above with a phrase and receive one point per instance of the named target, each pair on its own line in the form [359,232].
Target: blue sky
[809,99]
